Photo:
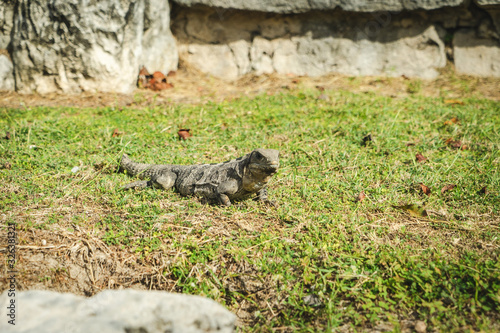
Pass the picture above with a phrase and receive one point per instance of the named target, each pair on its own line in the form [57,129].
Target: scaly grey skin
[237,179]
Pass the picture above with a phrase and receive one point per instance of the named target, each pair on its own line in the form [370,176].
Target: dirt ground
[193,87]
[79,262]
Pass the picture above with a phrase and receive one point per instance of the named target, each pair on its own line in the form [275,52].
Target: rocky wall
[72,46]
[228,42]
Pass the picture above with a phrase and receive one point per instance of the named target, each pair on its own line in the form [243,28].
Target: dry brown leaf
[361,196]
[482,191]
[157,86]
[320,88]
[425,189]
[323,97]
[453,101]
[453,120]
[116,133]
[7,136]
[172,73]
[448,187]
[453,143]
[143,71]
[158,76]
[184,133]
[420,158]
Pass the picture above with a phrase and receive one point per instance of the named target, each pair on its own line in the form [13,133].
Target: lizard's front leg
[263,197]
[224,199]
[222,191]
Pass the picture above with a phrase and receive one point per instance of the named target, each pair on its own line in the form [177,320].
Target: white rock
[6,73]
[89,45]
[159,49]
[476,56]
[115,311]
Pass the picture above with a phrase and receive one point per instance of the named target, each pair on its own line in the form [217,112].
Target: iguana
[237,179]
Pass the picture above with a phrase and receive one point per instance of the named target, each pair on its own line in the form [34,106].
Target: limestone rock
[300,6]
[6,19]
[116,311]
[80,46]
[476,56]
[6,73]
[159,49]
[73,46]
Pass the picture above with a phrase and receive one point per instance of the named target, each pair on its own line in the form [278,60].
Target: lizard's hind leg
[166,181]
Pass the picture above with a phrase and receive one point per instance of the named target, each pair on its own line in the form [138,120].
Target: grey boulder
[476,56]
[6,73]
[116,311]
[6,14]
[74,46]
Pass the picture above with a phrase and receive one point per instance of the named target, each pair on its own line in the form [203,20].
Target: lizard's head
[264,162]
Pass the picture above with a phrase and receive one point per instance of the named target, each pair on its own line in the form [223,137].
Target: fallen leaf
[7,136]
[295,81]
[184,133]
[453,101]
[453,120]
[453,143]
[413,209]
[116,133]
[366,139]
[464,147]
[425,189]
[143,71]
[420,158]
[408,144]
[323,97]
[159,85]
[320,88]
[405,77]
[224,126]
[482,191]
[158,76]
[361,196]
[172,73]
[448,187]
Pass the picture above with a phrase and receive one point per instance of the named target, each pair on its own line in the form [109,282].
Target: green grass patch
[322,258]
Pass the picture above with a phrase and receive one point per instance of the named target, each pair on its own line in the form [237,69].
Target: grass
[322,259]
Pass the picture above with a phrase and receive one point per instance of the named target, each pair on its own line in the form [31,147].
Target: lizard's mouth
[267,169]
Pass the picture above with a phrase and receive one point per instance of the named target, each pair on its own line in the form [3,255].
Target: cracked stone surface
[116,311]
[74,46]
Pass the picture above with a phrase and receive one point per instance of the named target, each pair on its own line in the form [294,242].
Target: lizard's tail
[133,168]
